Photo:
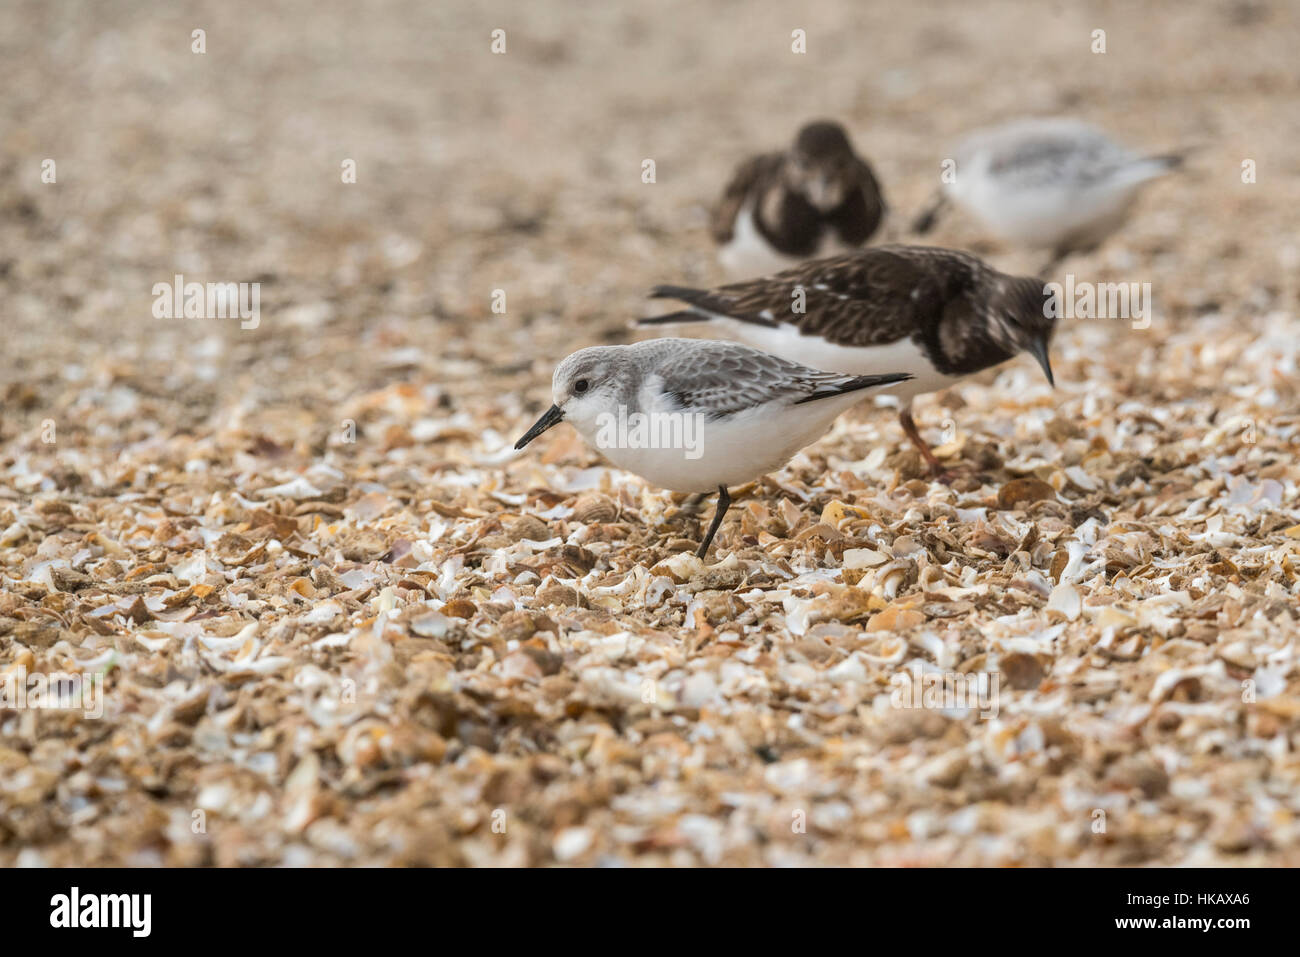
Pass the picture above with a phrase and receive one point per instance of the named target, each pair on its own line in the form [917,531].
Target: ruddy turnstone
[1059,184]
[938,314]
[694,415]
[815,199]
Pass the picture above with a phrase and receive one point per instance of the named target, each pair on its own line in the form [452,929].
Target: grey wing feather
[725,378]
[1035,155]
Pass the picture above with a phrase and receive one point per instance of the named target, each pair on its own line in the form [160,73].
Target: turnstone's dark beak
[1038,349]
[550,417]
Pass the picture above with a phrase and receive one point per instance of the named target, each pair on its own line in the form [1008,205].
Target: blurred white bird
[1059,184]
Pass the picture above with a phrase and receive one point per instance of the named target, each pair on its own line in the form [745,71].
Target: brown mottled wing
[860,215]
[869,185]
[743,181]
[867,298]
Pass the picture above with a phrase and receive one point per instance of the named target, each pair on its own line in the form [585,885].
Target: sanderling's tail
[854,384]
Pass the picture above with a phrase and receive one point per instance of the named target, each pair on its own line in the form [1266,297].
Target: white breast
[1048,215]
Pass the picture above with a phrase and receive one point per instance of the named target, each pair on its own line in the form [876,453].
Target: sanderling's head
[820,164]
[1023,314]
[585,385]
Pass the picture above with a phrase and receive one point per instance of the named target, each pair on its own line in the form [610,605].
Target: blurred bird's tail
[672,319]
[702,307]
[1151,167]
[930,215]
[1169,161]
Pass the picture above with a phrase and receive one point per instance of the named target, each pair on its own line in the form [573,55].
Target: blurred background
[522,171]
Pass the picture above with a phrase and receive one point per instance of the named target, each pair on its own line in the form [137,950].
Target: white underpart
[749,254]
[732,450]
[1050,215]
[1044,210]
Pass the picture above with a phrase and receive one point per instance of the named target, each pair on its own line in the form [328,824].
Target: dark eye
[581,386]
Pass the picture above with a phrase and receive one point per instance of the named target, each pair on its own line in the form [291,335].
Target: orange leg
[910,430]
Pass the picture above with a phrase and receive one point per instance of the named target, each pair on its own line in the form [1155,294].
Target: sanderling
[694,415]
[815,199]
[1059,184]
[938,314]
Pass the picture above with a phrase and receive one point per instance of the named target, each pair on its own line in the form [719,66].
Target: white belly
[730,451]
[1048,216]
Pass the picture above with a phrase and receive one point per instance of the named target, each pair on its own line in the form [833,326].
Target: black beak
[1038,349]
[550,417]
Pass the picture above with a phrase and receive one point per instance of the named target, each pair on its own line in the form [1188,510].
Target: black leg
[724,503]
